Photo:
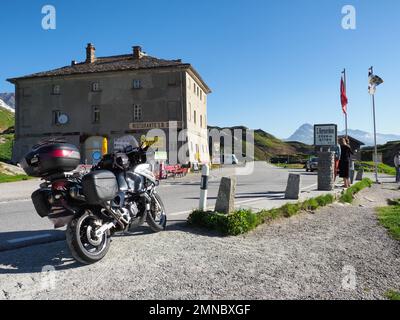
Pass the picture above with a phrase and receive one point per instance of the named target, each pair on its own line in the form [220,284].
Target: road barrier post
[205,172]
[360,173]
[293,187]
[226,196]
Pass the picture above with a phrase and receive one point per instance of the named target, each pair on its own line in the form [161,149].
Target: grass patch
[389,217]
[369,166]
[13,178]
[348,195]
[243,221]
[393,295]
[6,142]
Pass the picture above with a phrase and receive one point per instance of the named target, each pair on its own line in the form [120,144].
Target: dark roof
[112,63]
[354,139]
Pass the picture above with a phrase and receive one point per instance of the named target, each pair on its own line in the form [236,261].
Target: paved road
[21,226]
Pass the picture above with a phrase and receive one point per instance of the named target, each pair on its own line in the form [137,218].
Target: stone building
[115,97]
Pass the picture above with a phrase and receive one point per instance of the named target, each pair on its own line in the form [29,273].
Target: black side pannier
[41,202]
[99,186]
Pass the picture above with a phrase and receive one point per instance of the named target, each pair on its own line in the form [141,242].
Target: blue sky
[271,64]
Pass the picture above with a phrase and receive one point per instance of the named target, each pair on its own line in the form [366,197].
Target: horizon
[229,44]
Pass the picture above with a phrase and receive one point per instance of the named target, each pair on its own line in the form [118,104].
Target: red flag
[343,96]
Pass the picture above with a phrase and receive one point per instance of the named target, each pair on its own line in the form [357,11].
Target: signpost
[325,138]
[325,135]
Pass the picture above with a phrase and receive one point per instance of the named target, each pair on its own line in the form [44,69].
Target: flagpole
[345,87]
[375,144]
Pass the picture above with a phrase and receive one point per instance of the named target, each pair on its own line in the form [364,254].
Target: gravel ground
[338,253]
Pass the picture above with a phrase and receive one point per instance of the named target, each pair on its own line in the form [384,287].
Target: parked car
[312,164]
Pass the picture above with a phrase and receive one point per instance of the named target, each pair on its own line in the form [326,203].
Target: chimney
[137,52]
[90,53]
[73,63]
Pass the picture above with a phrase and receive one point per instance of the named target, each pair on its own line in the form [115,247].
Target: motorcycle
[119,194]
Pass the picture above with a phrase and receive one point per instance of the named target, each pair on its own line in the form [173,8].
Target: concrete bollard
[326,171]
[293,187]
[352,176]
[226,196]
[205,172]
[360,174]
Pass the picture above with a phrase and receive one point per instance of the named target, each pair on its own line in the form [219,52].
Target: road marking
[39,236]
[15,200]
[237,202]
[309,187]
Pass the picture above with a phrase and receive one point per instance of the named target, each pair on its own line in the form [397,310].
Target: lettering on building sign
[325,135]
[155,125]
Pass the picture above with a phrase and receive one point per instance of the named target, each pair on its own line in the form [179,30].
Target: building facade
[117,98]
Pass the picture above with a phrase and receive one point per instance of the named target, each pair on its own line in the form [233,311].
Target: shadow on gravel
[173,225]
[39,256]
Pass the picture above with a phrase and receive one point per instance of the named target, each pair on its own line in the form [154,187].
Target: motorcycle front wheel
[157,217]
[85,247]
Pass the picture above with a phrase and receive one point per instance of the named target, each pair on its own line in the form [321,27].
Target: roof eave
[206,87]
[15,80]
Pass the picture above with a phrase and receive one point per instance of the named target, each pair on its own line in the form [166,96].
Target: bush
[348,195]
[242,221]
[209,220]
[389,217]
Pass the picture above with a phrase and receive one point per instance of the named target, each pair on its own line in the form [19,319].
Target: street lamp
[374,81]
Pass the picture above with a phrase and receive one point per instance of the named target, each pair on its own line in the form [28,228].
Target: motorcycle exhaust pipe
[115,216]
[99,233]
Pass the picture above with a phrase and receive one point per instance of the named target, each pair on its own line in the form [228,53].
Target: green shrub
[389,217]
[393,295]
[290,209]
[209,220]
[310,204]
[348,195]
[242,221]
[369,166]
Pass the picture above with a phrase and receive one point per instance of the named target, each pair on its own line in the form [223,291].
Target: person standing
[345,160]
[397,165]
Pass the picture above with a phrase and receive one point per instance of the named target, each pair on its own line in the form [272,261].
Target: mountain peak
[305,134]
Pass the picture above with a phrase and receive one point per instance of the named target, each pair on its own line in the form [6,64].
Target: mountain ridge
[305,134]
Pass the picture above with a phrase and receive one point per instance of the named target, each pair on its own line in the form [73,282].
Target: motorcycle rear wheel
[84,246]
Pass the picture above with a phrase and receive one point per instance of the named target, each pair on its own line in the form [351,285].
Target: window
[55,117]
[96,114]
[201,121]
[194,88]
[137,84]
[201,94]
[95,86]
[137,112]
[56,89]
[194,116]
[198,93]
